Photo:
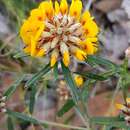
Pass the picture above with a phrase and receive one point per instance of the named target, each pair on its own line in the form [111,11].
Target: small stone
[2,104]
[3,110]
[3,98]
[127,52]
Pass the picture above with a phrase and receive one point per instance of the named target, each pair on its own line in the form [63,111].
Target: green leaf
[20,55]
[71,84]
[66,107]
[109,73]
[100,61]
[38,75]
[91,76]
[10,123]
[86,90]
[109,127]
[113,121]
[37,122]
[22,116]
[32,98]
[55,70]
[8,93]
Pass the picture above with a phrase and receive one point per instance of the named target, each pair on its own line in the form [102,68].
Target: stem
[86,122]
[86,113]
[61,125]
[114,95]
[32,120]
[113,98]
[88,4]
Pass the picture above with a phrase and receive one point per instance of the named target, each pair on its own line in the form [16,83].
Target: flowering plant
[65,34]
[60,32]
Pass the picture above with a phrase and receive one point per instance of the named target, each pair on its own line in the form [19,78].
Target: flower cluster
[125,108]
[60,31]
[2,103]
[63,91]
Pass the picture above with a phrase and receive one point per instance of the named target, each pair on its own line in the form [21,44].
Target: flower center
[61,29]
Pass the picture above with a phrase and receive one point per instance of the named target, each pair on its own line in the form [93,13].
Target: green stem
[32,120]
[115,94]
[62,125]
[86,114]
[113,98]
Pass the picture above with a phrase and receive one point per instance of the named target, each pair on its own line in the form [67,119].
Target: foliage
[39,77]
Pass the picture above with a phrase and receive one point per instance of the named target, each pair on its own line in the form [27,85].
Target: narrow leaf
[106,119]
[20,55]
[55,70]
[113,121]
[10,123]
[71,84]
[44,123]
[13,87]
[38,75]
[22,116]
[32,98]
[109,73]
[66,107]
[109,127]
[91,76]
[100,61]
[86,90]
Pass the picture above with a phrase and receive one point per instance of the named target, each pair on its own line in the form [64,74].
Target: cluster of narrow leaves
[77,95]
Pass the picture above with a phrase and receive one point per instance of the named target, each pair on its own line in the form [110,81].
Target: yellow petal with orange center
[54,57]
[33,47]
[39,32]
[120,107]
[79,80]
[75,9]
[90,48]
[57,8]
[47,7]
[91,29]
[27,49]
[37,14]
[29,29]
[34,40]
[66,58]
[85,17]
[40,53]
[64,6]
[80,54]
[53,60]
[90,45]
[25,37]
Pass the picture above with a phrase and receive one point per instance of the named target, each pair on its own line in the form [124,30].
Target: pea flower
[59,31]
[78,80]
[125,108]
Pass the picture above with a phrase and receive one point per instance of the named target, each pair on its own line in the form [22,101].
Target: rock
[117,15]
[4,29]
[126,6]
[114,43]
[106,6]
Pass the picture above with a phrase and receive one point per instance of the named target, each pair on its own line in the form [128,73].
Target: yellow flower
[60,31]
[79,80]
[63,7]
[125,108]
[76,8]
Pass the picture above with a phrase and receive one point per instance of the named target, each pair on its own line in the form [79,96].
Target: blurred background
[113,18]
